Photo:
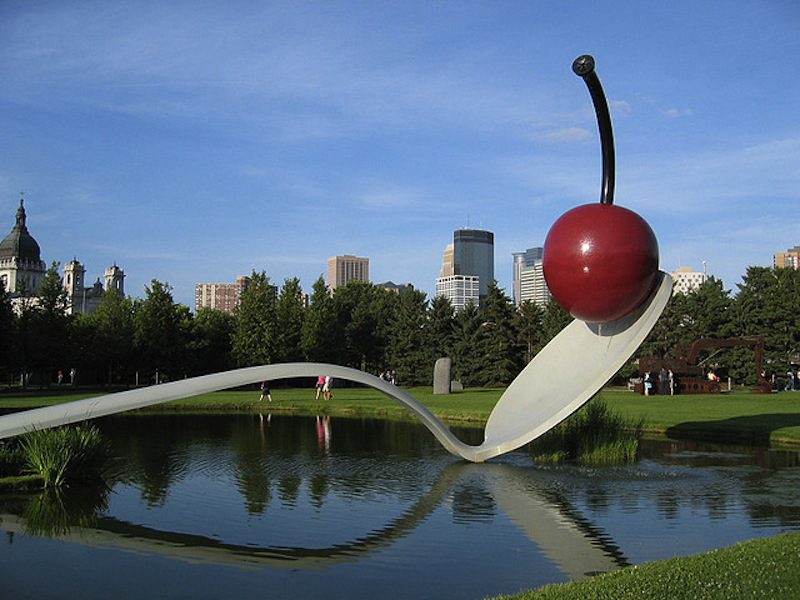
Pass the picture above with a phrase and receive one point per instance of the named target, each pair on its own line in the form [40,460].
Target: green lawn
[738,416]
[765,568]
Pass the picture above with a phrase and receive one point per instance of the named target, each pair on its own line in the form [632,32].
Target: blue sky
[196,141]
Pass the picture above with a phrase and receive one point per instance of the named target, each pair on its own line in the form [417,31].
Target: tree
[47,326]
[7,329]
[210,344]
[440,327]
[408,351]
[530,333]
[254,336]
[113,323]
[320,339]
[496,339]
[466,354]
[160,333]
[289,314]
[767,304]
[363,311]
[554,320]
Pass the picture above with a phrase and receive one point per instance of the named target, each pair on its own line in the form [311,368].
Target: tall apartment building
[342,269]
[790,258]
[684,280]
[220,296]
[529,283]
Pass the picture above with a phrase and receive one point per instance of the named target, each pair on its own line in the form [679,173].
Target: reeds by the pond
[65,454]
[593,435]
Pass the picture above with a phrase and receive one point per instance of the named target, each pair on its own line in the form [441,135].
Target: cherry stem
[584,67]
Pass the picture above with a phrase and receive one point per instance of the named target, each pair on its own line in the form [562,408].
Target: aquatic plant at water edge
[594,435]
[11,459]
[65,454]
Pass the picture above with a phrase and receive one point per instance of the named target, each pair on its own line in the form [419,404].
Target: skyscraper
[467,267]
[342,269]
[473,254]
[529,283]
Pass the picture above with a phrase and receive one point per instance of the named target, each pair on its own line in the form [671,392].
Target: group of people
[666,383]
[324,387]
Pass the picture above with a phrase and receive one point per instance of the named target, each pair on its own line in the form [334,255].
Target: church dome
[19,243]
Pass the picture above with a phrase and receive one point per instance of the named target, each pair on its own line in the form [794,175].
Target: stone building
[82,299]
[21,266]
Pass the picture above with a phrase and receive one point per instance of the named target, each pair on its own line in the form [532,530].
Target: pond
[253,506]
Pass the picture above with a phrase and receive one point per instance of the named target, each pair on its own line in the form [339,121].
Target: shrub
[593,435]
[65,454]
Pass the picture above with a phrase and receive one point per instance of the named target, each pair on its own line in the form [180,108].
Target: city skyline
[194,143]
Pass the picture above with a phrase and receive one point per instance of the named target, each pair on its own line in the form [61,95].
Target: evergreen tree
[554,320]
[767,304]
[496,339]
[467,356]
[320,338]
[440,328]
[530,332]
[409,353]
[254,336]
[289,314]
[363,311]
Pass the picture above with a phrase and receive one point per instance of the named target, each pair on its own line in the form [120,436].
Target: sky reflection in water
[249,506]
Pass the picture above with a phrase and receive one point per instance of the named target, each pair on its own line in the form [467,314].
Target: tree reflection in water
[320,493]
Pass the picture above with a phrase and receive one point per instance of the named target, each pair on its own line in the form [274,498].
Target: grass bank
[738,416]
[763,568]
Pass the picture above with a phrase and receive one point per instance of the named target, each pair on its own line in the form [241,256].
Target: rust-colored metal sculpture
[691,377]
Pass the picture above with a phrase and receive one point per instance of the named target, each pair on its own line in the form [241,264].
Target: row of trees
[364,326]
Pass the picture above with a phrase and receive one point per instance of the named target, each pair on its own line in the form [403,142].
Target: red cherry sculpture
[600,261]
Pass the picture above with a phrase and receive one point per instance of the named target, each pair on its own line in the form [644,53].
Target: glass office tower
[473,254]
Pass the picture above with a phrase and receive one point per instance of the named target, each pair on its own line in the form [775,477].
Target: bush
[65,454]
[593,435]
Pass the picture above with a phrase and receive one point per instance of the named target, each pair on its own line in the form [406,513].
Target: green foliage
[65,454]
[12,459]
[409,348]
[530,330]
[7,329]
[161,330]
[44,326]
[254,336]
[320,335]
[210,344]
[593,435]
[289,315]
[363,311]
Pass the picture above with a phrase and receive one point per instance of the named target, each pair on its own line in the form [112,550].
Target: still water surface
[301,507]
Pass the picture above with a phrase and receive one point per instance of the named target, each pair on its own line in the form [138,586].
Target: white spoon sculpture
[601,264]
